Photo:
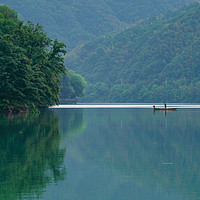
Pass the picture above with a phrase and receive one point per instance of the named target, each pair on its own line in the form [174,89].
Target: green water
[101,154]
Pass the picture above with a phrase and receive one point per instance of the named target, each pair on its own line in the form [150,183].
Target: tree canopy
[31,64]
[72,85]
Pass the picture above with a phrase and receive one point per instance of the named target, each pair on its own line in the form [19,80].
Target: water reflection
[72,122]
[156,150]
[30,156]
[115,154]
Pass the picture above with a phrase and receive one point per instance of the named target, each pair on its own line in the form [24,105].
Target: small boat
[172,109]
[165,108]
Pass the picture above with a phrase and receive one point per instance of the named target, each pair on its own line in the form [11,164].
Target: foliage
[31,64]
[72,85]
[155,61]
[75,22]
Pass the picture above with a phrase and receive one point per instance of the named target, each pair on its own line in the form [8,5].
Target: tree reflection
[139,145]
[30,155]
[72,122]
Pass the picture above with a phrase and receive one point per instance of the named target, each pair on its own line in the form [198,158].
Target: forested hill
[156,62]
[77,21]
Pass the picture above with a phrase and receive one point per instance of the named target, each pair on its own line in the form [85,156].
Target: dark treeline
[31,66]
[155,61]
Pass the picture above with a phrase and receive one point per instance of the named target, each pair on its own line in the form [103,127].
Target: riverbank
[15,109]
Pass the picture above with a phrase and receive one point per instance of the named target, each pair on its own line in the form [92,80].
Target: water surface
[101,154]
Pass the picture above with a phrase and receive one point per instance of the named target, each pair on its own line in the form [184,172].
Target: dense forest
[157,60]
[31,66]
[75,22]
[128,51]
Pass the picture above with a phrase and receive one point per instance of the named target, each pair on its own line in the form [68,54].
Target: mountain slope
[159,61]
[75,22]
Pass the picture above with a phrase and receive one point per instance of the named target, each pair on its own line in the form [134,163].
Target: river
[105,153]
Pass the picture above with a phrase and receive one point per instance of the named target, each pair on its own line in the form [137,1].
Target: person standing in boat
[165,105]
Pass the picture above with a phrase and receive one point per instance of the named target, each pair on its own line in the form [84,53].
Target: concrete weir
[126,106]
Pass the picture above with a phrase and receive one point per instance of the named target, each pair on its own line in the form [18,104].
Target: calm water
[101,154]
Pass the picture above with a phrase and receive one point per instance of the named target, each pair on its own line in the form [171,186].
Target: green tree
[31,64]
[72,86]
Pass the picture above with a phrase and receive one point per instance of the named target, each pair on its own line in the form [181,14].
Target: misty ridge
[76,22]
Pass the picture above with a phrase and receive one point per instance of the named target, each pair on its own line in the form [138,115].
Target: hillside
[75,22]
[154,62]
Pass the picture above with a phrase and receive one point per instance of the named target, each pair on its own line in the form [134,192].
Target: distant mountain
[77,21]
[154,62]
